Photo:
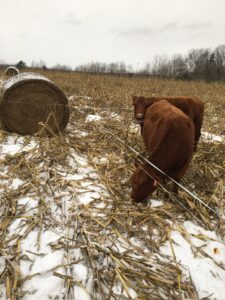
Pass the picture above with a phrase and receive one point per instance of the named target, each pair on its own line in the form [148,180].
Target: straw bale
[29,101]
[11,71]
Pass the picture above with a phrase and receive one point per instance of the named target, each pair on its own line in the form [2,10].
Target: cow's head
[140,105]
[143,183]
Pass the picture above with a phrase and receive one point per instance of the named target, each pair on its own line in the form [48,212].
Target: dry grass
[99,227]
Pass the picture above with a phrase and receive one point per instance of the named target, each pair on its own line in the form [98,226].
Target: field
[68,228]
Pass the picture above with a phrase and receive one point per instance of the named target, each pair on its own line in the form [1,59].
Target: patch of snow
[155,203]
[81,272]
[81,133]
[14,144]
[81,294]
[71,97]
[101,160]
[40,260]
[134,128]
[93,118]
[28,201]
[16,183]
[71,177]
[86,197]
[2,292]
[42,287]
[207,276]
[78,159]
[206,136]
[79,96]
[10,149]
[115,116]
[93,175]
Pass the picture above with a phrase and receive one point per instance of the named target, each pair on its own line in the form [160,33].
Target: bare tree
[146,70]
[205,64]
[197,61]
[220,61]
[161,66]
[178,67]
[62,67]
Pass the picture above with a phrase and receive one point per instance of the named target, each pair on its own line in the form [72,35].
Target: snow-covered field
[190,244]
[50,241]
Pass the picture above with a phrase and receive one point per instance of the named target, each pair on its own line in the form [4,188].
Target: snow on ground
[135,128]
[38,260]
[15,144]
[91,118]
[209,137]
[102,116]
[43,259]
[39,263]
[79,97]
[202,255]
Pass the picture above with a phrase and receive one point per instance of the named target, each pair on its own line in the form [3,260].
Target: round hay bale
[30,100]
[11,71]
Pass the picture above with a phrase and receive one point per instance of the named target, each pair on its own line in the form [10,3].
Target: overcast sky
[74,32]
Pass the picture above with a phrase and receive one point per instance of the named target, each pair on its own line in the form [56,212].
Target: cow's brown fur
[169,137]
[191,106]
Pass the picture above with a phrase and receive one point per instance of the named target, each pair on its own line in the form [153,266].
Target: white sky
[74,32]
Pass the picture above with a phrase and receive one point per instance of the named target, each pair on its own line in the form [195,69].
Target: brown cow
[191,106]
[168,134]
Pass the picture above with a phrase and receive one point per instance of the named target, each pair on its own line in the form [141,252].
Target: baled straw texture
[11,71]
[29,100]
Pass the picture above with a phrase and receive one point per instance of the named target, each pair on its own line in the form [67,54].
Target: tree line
[202,64]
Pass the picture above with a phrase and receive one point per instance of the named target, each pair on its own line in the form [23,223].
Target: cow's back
[191,106]
[168,134]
